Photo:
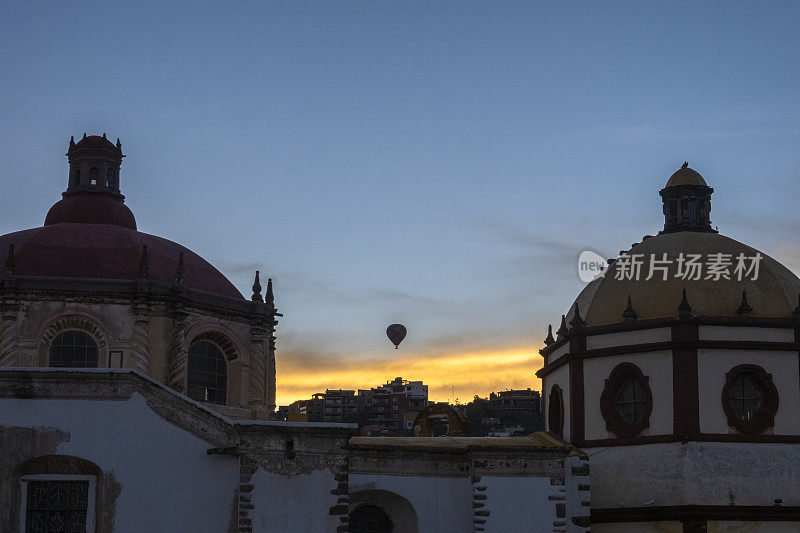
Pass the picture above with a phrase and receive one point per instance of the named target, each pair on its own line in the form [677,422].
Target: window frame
[615,423]
[202,338]
[67,330]
[91,495]
[555,408]
[765,417]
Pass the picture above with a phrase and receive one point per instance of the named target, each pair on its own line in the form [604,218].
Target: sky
[438,164]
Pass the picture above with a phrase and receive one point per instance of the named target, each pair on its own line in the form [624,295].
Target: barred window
[631,401]
[58,505]
[207,373]
[73,349]
[746,396]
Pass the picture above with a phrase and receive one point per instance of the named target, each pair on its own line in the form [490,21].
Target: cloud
[470,373]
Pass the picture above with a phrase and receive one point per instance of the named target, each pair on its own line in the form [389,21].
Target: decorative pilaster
[178,356]
[9,334]
[140,344]
[258,367]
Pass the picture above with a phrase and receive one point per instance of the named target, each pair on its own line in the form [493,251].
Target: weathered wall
[151,336]
[518,505]
[152,461]
[695,473]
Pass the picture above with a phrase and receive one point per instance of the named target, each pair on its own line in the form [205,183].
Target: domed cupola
[93,195]
[687,202]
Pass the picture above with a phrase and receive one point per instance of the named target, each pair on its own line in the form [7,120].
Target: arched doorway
[370,519]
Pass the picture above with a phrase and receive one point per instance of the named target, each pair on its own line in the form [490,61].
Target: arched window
[207,374]
[626,401]
[369,519]
[76,178]
[750,399]
[555,411]
[93,176]
[73,349]
[111,179]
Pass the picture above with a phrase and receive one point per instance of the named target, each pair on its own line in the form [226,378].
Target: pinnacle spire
[744,308]
[577,321]
[270,298]
[629,315]
[562,329]
[549,339]
[179,272]
[144,266]
[9,267]
[257,290]
[684,309]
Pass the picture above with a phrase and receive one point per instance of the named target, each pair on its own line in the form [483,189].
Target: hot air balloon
[396,334]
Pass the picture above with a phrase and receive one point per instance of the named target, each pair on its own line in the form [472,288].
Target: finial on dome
[549,339]
[257,290]
[744,308]
[144,266]
[119,144]
[562,329]
[270,298]
[577,321]
[72,141]
[685,164]
[9,267]
[104,135]
[179,272]
[684,309]
[629,315]
[84,135]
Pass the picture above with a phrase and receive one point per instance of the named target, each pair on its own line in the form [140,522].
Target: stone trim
[704,512]
[653,323]
[73,319]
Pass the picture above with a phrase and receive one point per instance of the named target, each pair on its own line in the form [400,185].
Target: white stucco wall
[629,337]
[656,365]
[443,504]
[168,482]
[714,364]
[559,377]
[695,473]
[297,503]
[518,504]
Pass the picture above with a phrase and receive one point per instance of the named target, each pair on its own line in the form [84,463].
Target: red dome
[91,208]
[105,251]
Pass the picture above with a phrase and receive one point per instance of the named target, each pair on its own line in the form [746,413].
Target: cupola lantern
[687,202]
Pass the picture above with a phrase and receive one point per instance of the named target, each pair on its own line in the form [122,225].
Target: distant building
[383,410]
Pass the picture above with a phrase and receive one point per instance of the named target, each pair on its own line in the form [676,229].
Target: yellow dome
[773,294]
[686,176]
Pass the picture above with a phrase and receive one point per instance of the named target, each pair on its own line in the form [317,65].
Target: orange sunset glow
[462,374]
